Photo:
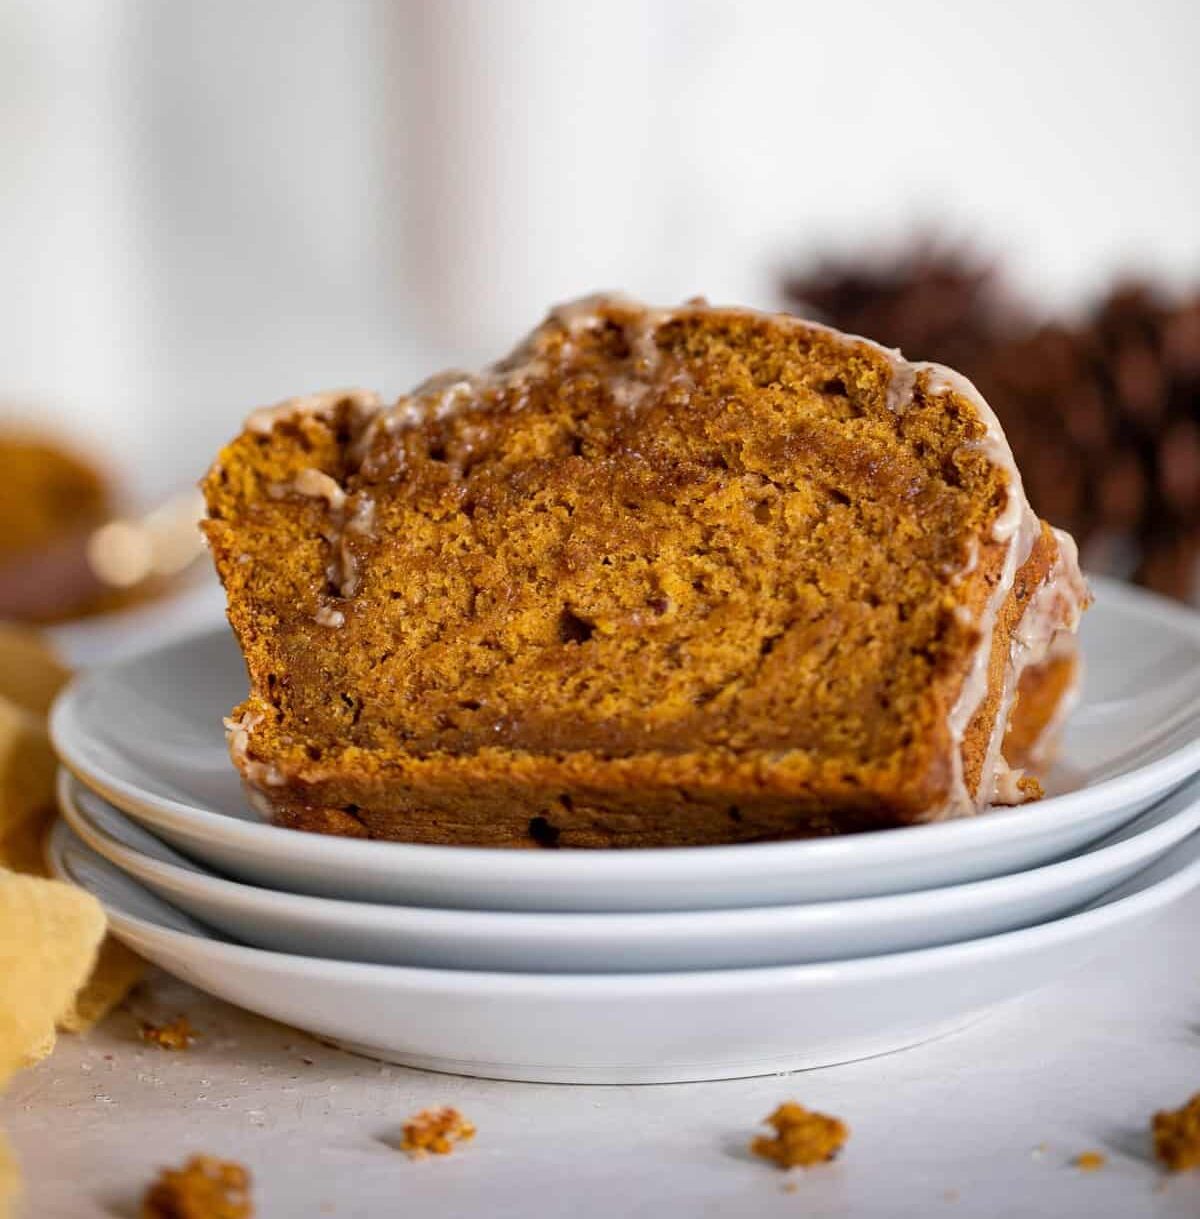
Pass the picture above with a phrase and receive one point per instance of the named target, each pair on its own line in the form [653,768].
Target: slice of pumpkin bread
[679,576]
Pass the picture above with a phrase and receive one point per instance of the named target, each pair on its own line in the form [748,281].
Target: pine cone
[1104,419]
[1103,416]
[936,302]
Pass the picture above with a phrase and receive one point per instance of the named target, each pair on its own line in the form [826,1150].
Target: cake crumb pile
[1090,1161]
[1177,1136]
[176,1034]
[204,1188]
[435,1132]
[802,1138]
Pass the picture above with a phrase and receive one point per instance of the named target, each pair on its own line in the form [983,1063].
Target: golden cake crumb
[802,1138]
[661,578]
[176,1034]
[1177,1136]
[1090,1161]
[204,1188]
[435,1131]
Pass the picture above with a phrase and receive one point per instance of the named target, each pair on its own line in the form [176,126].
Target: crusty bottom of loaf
[686,823]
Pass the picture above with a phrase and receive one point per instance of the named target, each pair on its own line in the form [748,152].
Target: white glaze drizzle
[446,394]
[313,484]
[357,518]
[1053,612]
[1017,527]
[237,737]
[1055,608]
[365,407]
[362,403]
[348,514]
[902,384]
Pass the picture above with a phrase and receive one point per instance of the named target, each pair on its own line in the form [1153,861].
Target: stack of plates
[631,966]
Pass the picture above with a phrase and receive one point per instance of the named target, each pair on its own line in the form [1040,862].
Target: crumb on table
[176,1034]
[204,1188]
[1177,1136]
[802,1137]
[435,1131]
[1090,1161]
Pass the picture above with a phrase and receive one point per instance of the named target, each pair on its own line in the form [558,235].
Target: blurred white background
[208,206]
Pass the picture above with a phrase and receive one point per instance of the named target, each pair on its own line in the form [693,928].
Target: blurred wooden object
[63,552]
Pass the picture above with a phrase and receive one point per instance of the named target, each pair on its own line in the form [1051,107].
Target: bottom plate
[626,1028]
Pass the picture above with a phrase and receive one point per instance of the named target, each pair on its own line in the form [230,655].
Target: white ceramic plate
[147,735]
[626,1028]
[625,943]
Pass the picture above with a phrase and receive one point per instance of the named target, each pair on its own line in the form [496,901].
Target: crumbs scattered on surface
[1177,1136]
[176,1034]
[951,1195]
[1039,1152]
[434,1132]
[204,1188]
[802,1138]
[1090,1161]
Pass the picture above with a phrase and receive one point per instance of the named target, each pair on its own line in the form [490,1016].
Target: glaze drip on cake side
[363,403]
[1051,617]
[1054,608]
[1017,528]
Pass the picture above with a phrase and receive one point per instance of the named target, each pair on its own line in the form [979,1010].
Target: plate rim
[1101,916]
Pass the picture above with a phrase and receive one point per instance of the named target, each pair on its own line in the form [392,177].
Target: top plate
[146,733]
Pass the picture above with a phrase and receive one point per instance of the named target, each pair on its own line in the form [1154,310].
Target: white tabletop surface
[984,1123]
